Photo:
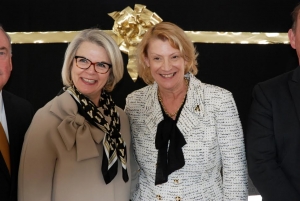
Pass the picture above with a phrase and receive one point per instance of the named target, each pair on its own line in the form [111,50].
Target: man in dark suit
[15,117]
[273,131]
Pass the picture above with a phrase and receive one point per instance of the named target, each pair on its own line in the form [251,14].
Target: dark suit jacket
[273,138]
[19,113]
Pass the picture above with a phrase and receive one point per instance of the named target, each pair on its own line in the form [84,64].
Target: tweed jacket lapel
[294,85]
[152,110]
[193,108]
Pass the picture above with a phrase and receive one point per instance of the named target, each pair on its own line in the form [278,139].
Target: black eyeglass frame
[109,65]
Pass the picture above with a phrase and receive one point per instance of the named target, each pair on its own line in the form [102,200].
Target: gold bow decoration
[129,28]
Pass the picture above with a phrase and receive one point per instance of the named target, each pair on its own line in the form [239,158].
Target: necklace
[162,104]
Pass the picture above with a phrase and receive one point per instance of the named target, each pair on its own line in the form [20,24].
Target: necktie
[4,147]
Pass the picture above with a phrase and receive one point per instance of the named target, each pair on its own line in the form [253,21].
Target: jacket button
[176,181]
[178,198]
[158,197]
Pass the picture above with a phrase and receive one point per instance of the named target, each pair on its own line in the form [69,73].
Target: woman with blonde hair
[77,146]
[187,135]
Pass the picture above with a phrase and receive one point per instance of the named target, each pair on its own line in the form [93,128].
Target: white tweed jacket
[215,162]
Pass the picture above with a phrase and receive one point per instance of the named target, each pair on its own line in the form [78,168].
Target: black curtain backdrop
[236,67]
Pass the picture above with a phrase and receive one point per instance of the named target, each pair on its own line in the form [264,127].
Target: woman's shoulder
[46,119]
[216,90]
[45,109]
[208,89]
[58,107]
[142,94]
[121,113]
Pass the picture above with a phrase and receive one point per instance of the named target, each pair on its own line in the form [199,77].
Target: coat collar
[192,109]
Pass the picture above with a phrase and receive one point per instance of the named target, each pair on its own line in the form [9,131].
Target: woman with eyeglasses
[78,145]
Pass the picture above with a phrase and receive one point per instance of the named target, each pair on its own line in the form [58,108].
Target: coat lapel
[294,85]
[152,110]
[193,108]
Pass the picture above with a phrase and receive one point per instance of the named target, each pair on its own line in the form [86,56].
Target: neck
[171,101]
[174,94]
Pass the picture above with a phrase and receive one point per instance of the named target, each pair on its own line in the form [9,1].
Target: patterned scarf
[114,146]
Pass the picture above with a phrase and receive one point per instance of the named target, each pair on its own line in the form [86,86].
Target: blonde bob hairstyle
[166,31]
[102,39]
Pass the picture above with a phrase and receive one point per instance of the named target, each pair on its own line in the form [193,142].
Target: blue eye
[101,65]
[3,52]
[83,60]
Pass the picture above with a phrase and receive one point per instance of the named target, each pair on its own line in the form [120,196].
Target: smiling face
[5,59]
[166,64]
[88,81]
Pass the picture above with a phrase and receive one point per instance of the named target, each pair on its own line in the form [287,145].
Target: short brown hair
[177,39]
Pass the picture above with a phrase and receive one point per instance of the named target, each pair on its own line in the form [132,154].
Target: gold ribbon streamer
[196,37]
[42,37]
[238,37]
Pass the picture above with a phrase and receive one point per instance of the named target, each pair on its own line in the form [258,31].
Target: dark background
[236,67]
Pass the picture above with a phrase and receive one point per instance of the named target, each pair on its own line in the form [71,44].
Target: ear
[185,63]
[146,60]
[292,38]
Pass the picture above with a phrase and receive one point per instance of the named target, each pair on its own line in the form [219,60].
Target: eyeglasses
[84,63]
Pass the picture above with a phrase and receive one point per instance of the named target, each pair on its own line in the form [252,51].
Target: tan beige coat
[62,156]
